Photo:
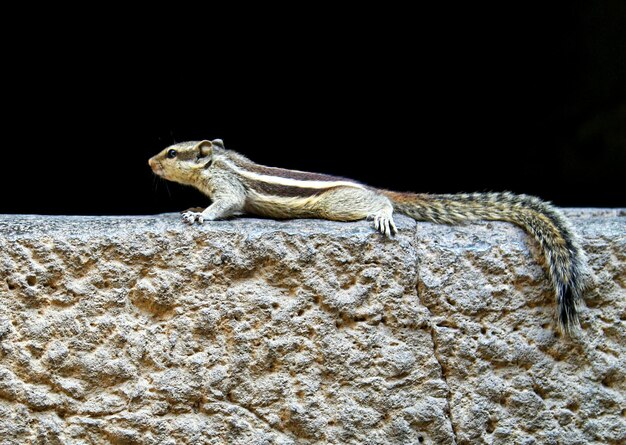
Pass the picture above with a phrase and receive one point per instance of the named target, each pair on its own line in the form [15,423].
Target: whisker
[168,190]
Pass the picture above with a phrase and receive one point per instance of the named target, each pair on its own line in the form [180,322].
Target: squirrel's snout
[155,166]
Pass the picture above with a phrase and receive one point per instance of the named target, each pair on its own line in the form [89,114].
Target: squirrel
[237,185]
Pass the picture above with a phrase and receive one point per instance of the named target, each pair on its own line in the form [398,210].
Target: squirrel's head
[183,162]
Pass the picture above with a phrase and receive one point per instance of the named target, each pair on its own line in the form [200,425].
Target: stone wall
[140,330]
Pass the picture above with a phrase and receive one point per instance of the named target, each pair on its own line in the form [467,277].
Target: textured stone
[140,330]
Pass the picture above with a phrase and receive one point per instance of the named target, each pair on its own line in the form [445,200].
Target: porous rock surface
[141,330]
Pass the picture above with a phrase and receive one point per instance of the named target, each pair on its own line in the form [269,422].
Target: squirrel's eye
[171,154]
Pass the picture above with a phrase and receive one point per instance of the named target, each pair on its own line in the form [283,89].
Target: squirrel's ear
[205,148]
[218,142]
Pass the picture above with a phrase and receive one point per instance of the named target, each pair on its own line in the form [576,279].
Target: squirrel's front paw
[192,217]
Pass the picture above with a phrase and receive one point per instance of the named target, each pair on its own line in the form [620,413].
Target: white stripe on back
[278,180]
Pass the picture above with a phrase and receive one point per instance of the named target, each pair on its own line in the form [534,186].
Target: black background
[530,99]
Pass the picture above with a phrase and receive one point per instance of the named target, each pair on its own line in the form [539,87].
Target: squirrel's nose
[155,166]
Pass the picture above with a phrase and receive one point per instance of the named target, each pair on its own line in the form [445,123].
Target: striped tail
[565,258]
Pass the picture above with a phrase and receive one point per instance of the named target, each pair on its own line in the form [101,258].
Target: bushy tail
[550,228]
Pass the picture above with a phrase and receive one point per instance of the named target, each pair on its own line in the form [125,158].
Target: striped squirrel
[237,185]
